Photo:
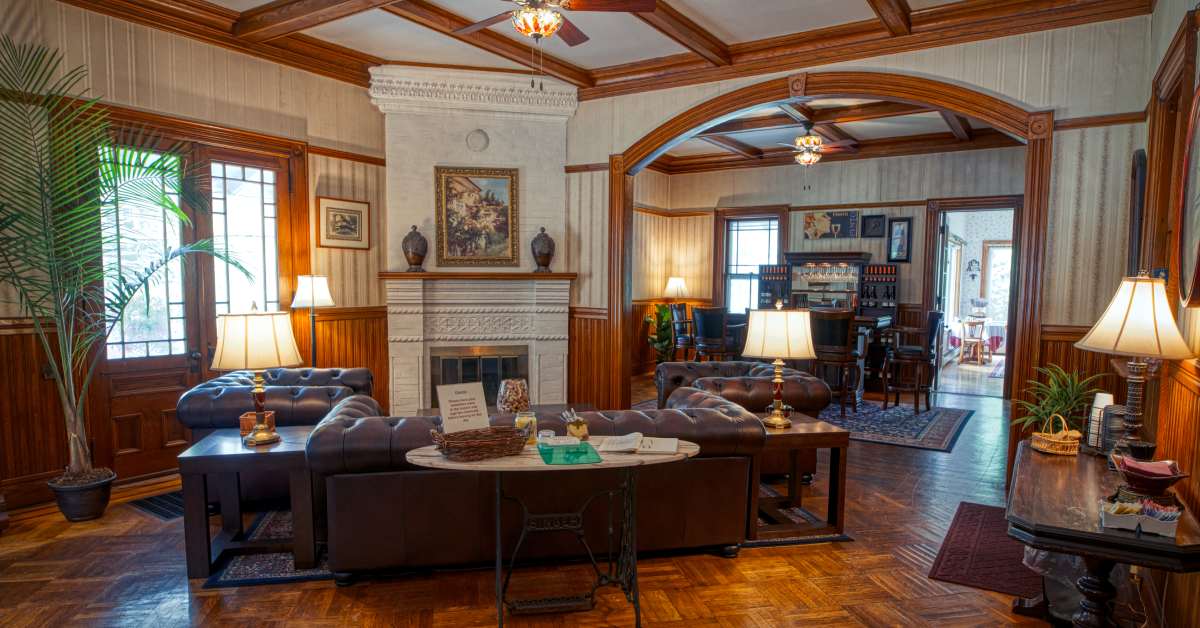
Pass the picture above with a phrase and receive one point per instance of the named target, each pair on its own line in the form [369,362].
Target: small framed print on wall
[899,240]
[343,224]
[874,226]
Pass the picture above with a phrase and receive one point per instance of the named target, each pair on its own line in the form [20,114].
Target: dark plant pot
[83,502]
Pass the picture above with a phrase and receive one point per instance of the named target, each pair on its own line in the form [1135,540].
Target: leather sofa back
[354,439]
[746,383]
[297,396]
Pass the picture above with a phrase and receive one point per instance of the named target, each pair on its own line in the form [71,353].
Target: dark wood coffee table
[804,433]
[214,465]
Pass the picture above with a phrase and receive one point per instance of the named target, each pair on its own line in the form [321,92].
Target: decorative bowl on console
[1148,478]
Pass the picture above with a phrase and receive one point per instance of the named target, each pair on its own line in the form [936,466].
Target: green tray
[583,453]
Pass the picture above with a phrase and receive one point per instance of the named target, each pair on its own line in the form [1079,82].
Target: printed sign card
[462,406]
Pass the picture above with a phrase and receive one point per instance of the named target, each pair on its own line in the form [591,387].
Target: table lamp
[780,335]
[256,341]
[676,288]
[312,292]
[1138,323]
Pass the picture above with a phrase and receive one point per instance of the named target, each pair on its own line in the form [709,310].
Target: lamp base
[777,420]
[262,433]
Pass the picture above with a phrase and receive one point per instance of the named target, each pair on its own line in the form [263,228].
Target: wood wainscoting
[33,435]
[590,376]
[1178,438]
[1058,347]
[349,337]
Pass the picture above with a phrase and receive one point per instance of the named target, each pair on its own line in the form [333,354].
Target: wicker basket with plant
[1061,401]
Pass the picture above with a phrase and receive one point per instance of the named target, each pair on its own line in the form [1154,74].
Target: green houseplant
[661,336]
[65,171]
[1062,393]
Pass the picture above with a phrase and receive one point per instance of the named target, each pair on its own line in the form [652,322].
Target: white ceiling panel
[239,5]
[828,103]
[734,22]
[771,138]
[917,124]
[385,35]
[693,147]
[615,37]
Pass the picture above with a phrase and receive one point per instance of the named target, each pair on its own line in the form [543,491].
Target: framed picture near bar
[822,225]
[874,226]
[477,216]
[343,224]
[900,240]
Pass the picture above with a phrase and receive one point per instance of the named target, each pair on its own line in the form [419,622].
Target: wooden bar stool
[910,368]
[835,339]
[682,326]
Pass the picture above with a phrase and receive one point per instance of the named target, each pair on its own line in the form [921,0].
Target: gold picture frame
[477,216]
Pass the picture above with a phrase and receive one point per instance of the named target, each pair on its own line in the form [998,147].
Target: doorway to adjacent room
[974,287]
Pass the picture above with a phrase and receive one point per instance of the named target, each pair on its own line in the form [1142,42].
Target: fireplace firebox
[486,364]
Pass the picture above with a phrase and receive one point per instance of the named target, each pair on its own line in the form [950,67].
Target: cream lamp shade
[255,341]
[1138,322]
[312,291]
[783,334]
[676,288]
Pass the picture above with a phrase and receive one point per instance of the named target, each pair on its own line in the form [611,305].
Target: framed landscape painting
[477,216]
[343,224]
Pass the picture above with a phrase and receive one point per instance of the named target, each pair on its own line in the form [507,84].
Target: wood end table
[805,432]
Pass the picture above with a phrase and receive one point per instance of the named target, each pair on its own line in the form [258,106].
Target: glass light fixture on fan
[537,22]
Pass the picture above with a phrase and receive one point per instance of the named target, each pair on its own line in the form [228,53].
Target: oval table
[622,571]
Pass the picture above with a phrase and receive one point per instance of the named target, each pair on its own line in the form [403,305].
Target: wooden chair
[910,368]
[710,325]
[681,325]
[974,343]
[835,339]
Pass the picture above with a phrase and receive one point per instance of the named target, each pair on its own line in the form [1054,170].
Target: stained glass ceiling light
[537,22]
[808,149]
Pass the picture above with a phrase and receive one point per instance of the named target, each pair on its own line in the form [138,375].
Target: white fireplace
[426,312]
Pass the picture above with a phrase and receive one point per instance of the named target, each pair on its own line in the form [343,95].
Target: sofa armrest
[354,438]
[804,393]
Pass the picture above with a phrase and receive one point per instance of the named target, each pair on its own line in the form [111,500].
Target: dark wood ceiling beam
[869,111]
[945,25]
[734,146]
[834,134]
[285,17]
[958,125]
[744,125]
[894,14]
[867,149]
[438,19]
[687,33]
[797,112]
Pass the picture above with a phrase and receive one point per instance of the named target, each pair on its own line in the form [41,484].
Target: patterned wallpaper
[975,228]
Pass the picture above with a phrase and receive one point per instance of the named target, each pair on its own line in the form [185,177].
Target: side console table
[804,433]
[1054,505]
[622,572]
[214,465]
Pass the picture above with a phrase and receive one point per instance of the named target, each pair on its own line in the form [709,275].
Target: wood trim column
[620,284]
[1030,254]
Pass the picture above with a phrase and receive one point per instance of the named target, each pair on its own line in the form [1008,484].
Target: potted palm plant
[65,171]
[660,336]
[1063,393]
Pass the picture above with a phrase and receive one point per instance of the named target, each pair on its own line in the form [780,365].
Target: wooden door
[167,346]
[152,356]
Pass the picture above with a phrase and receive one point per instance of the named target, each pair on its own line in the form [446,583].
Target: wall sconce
[973,269]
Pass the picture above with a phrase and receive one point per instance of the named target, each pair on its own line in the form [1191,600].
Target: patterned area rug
[979,553]
[935,429]
[998,370]
[250,569]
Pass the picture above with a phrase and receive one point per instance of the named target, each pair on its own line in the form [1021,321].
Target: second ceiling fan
[540,19]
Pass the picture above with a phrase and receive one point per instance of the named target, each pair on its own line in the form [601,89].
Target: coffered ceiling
[681,42]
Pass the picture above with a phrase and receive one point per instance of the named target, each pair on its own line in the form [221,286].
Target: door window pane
[244,226]
[998,275]
[135,235]
[749,244]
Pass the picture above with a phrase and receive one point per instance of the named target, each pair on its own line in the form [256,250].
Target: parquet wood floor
[127,569]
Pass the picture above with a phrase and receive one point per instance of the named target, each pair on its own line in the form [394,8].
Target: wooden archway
[1035,128]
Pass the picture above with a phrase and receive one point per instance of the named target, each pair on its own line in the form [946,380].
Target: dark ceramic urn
[415,247]
[543,251]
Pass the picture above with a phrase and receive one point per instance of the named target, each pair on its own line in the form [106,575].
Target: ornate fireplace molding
[404,89]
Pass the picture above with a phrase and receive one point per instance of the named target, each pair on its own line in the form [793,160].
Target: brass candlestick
[261,434]
[777,419]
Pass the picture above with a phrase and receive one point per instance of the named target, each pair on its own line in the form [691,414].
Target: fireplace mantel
[479,276]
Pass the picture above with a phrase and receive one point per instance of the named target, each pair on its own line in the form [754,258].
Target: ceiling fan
[538,19]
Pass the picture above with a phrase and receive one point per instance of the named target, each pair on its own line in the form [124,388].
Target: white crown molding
[407,89]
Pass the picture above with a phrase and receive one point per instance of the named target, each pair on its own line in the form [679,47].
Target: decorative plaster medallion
[478,140]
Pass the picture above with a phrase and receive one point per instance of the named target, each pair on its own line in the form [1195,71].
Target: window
[135,235]
[749,243]
[953,279]
[997,273]
[244,226]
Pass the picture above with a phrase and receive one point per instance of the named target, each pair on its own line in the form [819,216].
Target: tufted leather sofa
[298,397]
[747,384]
[439,518]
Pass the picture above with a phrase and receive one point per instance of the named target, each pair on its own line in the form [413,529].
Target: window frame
[721,218]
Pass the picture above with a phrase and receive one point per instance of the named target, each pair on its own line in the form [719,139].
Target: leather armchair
[747,384]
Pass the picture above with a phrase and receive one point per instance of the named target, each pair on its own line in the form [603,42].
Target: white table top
[530,460]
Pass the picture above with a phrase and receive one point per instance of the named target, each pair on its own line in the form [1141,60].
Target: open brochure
[636,443]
